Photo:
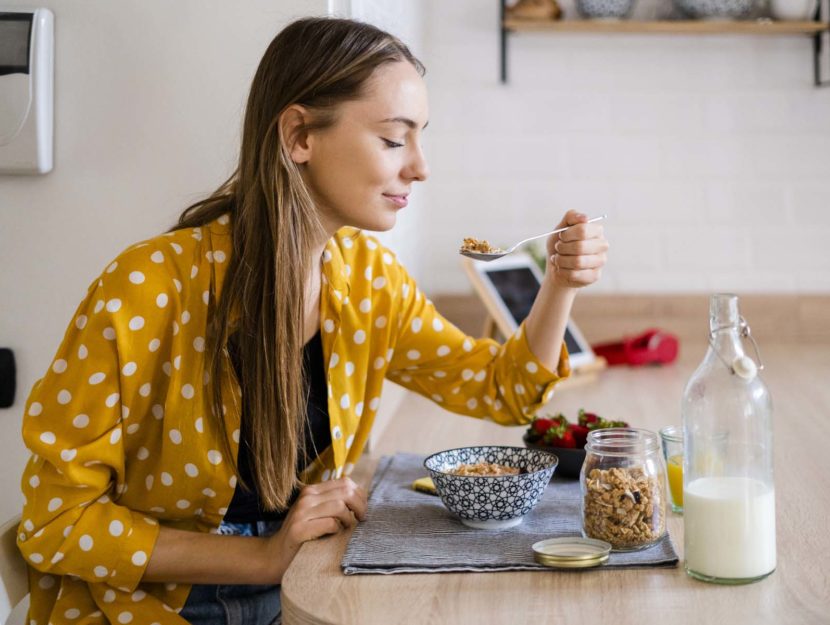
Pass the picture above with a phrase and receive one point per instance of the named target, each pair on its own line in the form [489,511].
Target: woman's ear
[293,121]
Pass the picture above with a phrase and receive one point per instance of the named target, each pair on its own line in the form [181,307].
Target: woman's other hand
[320,509]
[576,257]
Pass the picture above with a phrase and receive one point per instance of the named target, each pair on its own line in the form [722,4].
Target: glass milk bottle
[728,490]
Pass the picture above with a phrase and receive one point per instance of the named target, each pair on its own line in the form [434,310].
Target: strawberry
[586,418]
[542,425]
[566,439]
[556,431]
[594,422]
[580,434]
[559,435]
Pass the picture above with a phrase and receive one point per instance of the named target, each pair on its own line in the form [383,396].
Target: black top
[245,507]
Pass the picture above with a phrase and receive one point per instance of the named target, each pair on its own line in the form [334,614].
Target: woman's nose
[418,168]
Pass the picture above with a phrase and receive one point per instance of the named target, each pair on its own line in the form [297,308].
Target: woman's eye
[392,144]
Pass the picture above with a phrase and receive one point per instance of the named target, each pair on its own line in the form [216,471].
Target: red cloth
[652,347]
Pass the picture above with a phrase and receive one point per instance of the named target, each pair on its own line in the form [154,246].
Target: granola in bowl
[485,469]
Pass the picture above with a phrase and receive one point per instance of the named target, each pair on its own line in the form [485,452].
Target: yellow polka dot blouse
[121,430]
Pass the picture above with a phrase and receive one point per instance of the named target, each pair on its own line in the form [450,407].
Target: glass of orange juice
[672,438]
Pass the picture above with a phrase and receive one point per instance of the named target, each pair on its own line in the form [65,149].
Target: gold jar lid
[571,552]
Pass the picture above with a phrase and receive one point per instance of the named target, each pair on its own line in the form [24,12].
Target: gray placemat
[406,531]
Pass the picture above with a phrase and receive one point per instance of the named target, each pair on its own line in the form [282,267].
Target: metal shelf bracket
[821,43]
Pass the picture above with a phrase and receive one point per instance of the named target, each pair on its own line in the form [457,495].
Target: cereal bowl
[491,501]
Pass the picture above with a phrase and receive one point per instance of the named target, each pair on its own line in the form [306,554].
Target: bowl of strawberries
[567,440]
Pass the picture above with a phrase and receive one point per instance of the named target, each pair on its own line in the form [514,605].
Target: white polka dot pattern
[136,277]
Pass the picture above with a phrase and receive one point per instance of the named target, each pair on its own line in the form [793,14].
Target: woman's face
[360,170]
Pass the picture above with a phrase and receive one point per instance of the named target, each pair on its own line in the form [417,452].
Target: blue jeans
[235,604]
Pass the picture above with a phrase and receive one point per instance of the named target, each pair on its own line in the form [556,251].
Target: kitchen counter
[316,591]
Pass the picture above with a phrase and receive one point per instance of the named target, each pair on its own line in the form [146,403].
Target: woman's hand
[576,256]
[201,558]
[321,509]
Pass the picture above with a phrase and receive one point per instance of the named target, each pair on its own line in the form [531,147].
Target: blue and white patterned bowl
[491,502]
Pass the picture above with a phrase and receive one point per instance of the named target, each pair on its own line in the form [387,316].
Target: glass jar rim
[622,441]
[672,433]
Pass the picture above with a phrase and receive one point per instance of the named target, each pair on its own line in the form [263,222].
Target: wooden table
[316,591]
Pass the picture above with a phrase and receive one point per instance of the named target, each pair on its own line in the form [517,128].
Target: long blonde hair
[317,63]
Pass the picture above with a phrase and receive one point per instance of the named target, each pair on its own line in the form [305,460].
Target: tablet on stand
[508,287]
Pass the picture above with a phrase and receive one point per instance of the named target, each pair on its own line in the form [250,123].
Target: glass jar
[623,483]
[672,437]
[728,489]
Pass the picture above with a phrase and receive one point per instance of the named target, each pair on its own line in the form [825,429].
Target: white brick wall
[709,154]
[147,118]
[404,19]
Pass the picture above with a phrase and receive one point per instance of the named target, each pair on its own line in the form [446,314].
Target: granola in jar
[624,488]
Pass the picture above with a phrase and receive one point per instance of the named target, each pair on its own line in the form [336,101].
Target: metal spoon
[494,255]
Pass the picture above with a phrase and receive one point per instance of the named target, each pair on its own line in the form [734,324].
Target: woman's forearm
[200,558]
[547,320]
[576,257]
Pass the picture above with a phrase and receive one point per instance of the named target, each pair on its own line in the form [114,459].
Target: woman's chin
[381,224]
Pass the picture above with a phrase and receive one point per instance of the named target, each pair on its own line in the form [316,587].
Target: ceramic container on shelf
[604,9]
[715,9]
[793,10]
[534,10]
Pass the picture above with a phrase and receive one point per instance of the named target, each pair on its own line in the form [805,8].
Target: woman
[218,382]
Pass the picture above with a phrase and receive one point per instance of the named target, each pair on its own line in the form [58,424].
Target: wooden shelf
[817,30]
[689,27]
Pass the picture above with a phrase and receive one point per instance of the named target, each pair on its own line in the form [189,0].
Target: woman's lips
[399,200]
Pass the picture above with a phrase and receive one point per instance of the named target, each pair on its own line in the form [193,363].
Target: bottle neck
[725,327]
[723,312]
